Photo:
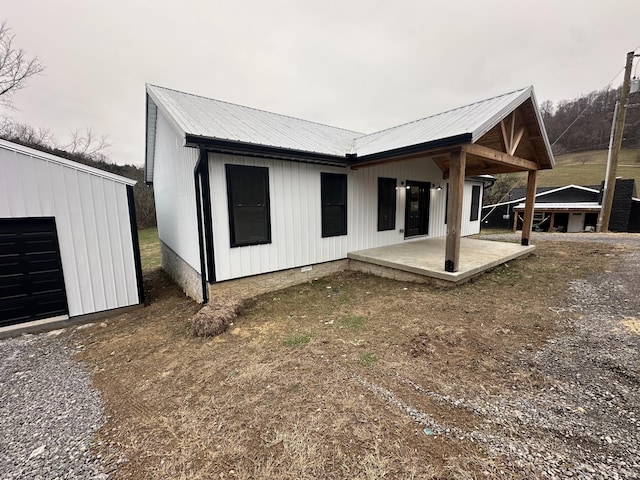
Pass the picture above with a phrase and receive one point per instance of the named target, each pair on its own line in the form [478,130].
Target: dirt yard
[531,371]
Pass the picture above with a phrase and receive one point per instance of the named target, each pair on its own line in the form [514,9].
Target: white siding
[174,190]
[92,221]
[296,238]
[469,227]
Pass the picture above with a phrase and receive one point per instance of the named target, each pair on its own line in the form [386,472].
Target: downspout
[207,215]
[203,273]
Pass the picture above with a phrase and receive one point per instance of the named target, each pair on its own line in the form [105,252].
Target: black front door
[417,209]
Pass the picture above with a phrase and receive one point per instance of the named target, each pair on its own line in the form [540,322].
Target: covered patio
[501,135]
[425,257]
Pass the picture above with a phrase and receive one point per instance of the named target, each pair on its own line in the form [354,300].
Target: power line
[585,109]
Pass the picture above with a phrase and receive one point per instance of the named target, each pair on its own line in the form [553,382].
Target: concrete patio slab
[426,257]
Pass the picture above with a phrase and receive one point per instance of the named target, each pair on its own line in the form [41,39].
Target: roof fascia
[413,149]
[263,151]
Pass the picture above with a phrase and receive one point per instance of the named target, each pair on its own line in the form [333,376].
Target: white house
[68,239]
[242,192]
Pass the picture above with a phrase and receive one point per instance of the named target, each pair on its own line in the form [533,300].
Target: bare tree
[15,66]
[86,142]
[26,134]
[502,186]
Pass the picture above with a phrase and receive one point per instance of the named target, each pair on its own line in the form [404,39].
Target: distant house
[242,192]
[572,208]
[68,239]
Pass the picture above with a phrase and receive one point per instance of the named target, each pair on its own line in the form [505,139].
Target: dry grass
[290,391]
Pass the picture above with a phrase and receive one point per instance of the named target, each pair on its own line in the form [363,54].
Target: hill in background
[588,168]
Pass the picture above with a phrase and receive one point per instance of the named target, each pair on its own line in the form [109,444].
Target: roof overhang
[263,151]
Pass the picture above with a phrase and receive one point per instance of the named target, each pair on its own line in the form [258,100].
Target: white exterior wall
[92,220]
[174,191]
[576,222]
[295,206]
[469,227]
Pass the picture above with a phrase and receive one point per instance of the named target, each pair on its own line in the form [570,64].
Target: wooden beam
[505,138]
[516,141]
[499,157]
[454,217]
[529,207]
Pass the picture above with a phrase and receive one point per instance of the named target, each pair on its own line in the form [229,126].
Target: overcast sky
[361,65]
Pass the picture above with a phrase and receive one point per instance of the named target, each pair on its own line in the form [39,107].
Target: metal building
[68,238]
[242,192]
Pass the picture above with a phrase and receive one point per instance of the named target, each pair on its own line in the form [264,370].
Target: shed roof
[32,152]
[235,128]
[519,194]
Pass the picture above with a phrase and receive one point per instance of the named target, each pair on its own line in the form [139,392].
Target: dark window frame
[475,203]
[235,210]
[391,184]
[327,203]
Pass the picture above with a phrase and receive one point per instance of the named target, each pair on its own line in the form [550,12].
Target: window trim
[475,212]
[388,181]
[229,168]
[323,177]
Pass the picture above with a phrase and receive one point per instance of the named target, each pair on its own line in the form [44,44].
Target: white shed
[68,238]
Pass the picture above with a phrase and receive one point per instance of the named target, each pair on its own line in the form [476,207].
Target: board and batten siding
[295,213]
[174,189]
[91,213]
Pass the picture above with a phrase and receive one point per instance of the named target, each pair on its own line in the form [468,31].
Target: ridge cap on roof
[520,90]
[257,109]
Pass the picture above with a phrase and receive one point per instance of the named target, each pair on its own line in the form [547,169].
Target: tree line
[87,149]
[593,115]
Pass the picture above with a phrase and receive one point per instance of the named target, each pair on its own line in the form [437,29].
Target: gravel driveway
[586,424]
[48,410]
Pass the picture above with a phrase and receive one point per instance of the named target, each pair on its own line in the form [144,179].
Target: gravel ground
[585,424]
[48,410]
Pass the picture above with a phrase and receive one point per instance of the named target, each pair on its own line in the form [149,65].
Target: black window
[248,199]
[475,202]
[386,204]
[333,192]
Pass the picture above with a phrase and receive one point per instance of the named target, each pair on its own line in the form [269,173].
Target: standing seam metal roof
[213,119]
[210,118]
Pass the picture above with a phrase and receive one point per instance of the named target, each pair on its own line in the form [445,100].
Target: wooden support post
[515,221]
[454,221]
[551,221]
[529,207]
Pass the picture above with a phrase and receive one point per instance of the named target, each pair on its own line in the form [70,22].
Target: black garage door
[31,282]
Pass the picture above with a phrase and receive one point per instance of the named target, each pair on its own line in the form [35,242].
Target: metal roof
[519,193]
[32,152]
[206,117]
[474,119]
[563,206]
[234,128]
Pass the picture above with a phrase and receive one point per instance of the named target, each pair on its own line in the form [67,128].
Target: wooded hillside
[591,130]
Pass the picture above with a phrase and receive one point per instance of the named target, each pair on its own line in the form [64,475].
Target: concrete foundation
[248,287]
[181,272]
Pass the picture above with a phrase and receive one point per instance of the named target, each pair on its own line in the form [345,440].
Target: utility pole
[610,181]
